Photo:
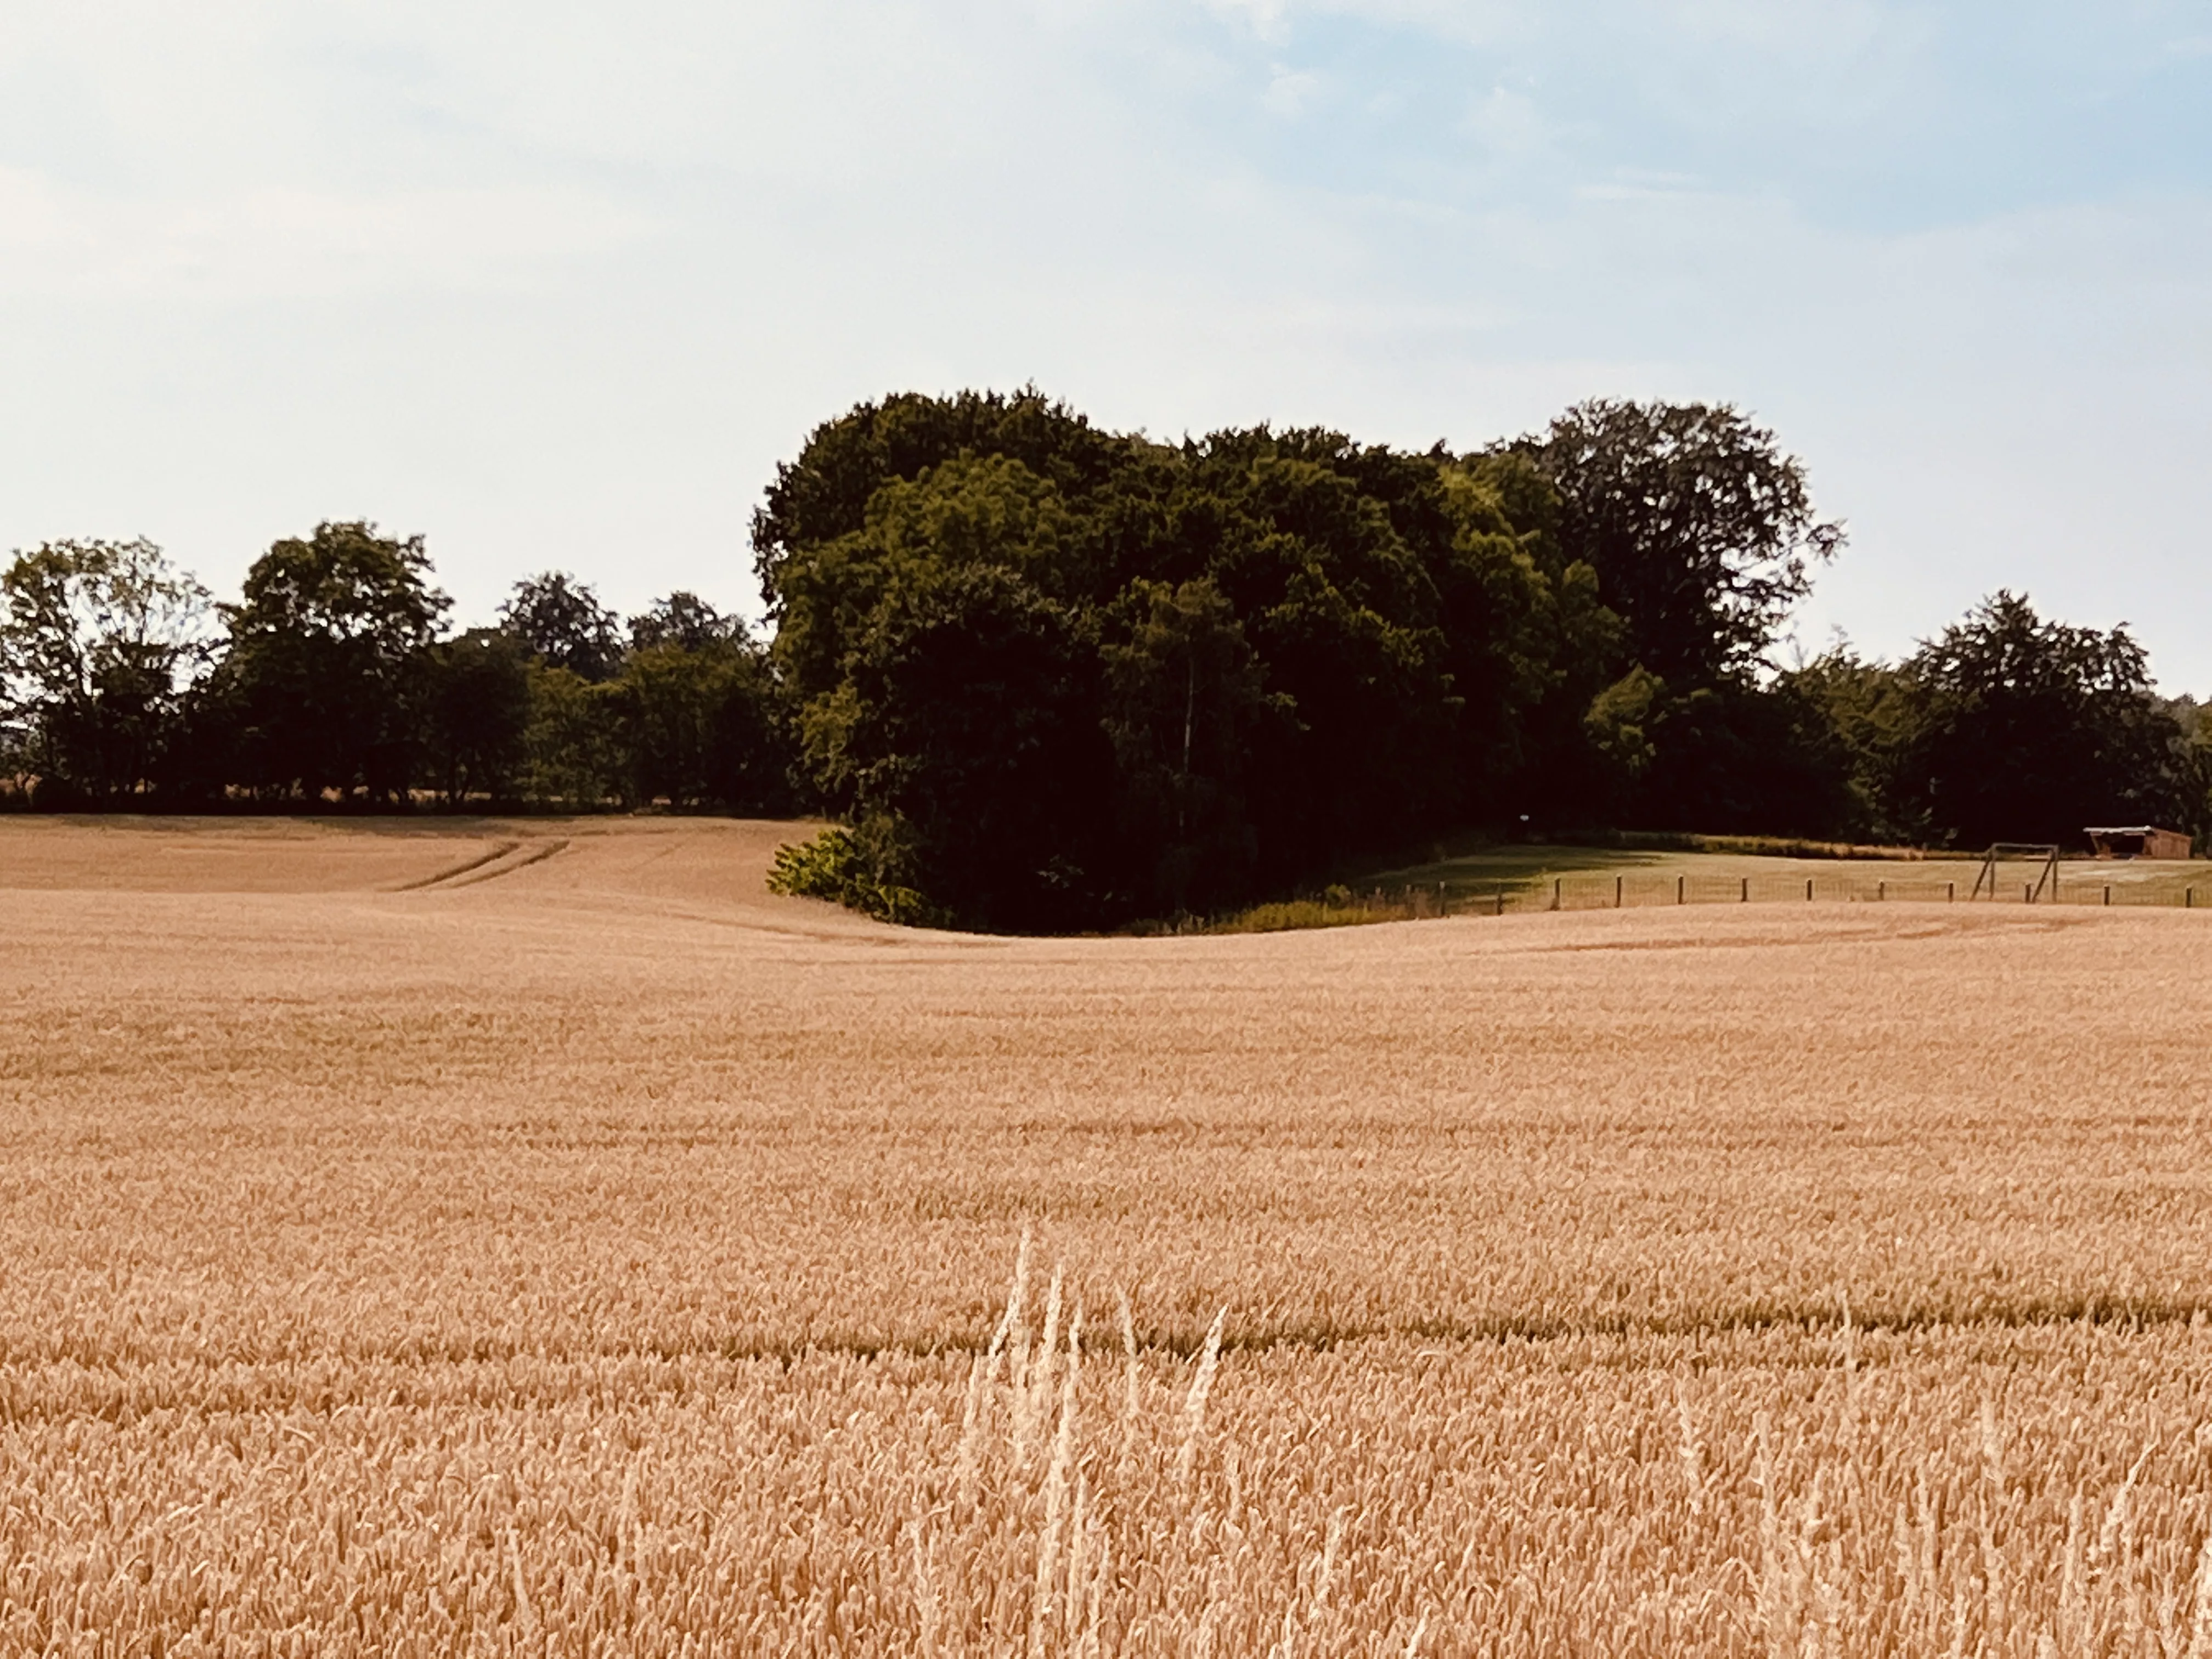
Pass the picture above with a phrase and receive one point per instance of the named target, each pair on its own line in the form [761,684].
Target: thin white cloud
[1266,19]
[295,243]
[1509,124]
[1290,90]
[1466,23]
[1803,28]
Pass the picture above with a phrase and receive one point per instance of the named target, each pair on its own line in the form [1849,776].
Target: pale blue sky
[558,284]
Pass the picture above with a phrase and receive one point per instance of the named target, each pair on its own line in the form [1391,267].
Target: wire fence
[1639,892]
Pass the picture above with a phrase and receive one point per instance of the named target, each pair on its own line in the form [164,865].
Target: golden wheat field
[535,1239]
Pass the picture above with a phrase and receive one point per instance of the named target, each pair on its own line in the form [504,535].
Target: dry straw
[599,1261]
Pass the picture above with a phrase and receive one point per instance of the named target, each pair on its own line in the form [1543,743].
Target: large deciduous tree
[2025,729]
[323,686]
[560,622]
[1700,529]
[99,642]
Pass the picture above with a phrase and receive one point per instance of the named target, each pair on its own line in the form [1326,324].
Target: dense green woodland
[1046,677]
[332,683]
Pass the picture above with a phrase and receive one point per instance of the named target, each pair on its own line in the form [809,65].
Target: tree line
[1045,676]
[332,682]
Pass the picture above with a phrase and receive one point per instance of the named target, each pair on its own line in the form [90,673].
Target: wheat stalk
[1691,1452]
[925,1591]
[983,1372]
[1132,1403]
[1194,1408]
[1055,1480]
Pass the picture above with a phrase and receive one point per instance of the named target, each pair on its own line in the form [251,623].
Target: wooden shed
[2140,840]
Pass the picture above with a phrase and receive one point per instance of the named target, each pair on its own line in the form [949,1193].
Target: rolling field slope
[535,1237]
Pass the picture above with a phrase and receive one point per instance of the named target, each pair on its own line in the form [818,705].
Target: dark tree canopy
[685,620]
[476,716]
[698,725]
[1700,529]
[1194,729]
[1357,638]
[2028,730]
[967,736]
[825,493]
[322,684]
[560,622]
